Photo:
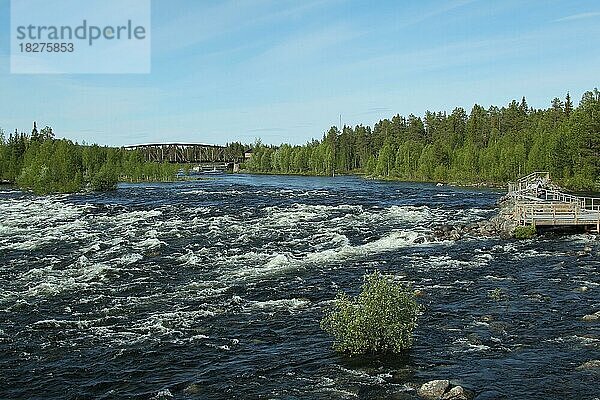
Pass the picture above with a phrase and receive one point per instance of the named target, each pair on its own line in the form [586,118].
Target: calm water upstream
[214,290]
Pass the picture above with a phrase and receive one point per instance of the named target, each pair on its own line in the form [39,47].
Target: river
[214,289]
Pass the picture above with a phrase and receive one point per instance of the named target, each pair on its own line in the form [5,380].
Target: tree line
[43,164]
[492,145]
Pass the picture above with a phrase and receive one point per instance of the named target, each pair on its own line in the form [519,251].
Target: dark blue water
[214,290]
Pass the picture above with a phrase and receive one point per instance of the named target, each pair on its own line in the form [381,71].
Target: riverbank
[462,184]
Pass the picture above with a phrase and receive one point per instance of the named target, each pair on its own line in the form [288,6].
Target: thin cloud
[266,130]
[300,47]
[227,17]
[376,110]
[304,125]
[575,17]
[438,10]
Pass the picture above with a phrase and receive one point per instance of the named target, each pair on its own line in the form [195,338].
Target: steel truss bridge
[183,153]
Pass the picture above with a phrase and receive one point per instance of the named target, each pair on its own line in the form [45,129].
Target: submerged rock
[581,289]
[433,390]
[593,364]
[404,375]
[194,388]
[592,317]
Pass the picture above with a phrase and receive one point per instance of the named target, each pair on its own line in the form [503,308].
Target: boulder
[456,393]
[433,390]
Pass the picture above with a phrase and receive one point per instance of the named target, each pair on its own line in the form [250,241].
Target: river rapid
[214,289]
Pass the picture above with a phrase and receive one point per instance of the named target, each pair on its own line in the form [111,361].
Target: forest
[490,146]
[43,164]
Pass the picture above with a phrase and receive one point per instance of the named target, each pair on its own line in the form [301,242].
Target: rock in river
[433,390]
[594,364]
[456,393]
[592,317]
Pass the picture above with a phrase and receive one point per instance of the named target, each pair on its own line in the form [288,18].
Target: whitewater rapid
[222,283]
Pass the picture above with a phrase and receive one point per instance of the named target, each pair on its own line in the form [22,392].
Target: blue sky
[285,70]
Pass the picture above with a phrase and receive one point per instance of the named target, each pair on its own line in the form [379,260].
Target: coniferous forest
[489,146]
[43,164]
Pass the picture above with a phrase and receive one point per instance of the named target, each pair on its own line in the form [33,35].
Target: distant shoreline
[487,185]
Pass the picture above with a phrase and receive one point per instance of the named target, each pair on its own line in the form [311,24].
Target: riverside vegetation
[43,164]
[489,146]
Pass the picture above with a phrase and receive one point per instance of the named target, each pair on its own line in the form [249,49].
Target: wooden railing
[538,201]
[553,213]
[586,203]
[528,182]
[538,187]
[534,176]
[590,203]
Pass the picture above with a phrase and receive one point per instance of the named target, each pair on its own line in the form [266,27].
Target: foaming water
[215,289]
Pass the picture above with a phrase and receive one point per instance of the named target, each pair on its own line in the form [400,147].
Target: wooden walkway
[539,202]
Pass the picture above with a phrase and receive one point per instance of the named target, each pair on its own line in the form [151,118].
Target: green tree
[35,136]
[386,159]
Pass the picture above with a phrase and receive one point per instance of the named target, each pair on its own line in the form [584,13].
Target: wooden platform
[539,202]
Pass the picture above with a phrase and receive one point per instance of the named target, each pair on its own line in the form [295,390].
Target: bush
[524,232]
[380,320]
[104,180]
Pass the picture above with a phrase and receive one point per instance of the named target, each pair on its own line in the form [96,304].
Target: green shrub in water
[496,294]
[381,319]
[524,232]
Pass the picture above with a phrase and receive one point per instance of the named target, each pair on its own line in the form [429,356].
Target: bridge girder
[183,153]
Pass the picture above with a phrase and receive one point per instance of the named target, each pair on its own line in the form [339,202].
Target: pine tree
[568,105]
[35,136]
[524,107]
